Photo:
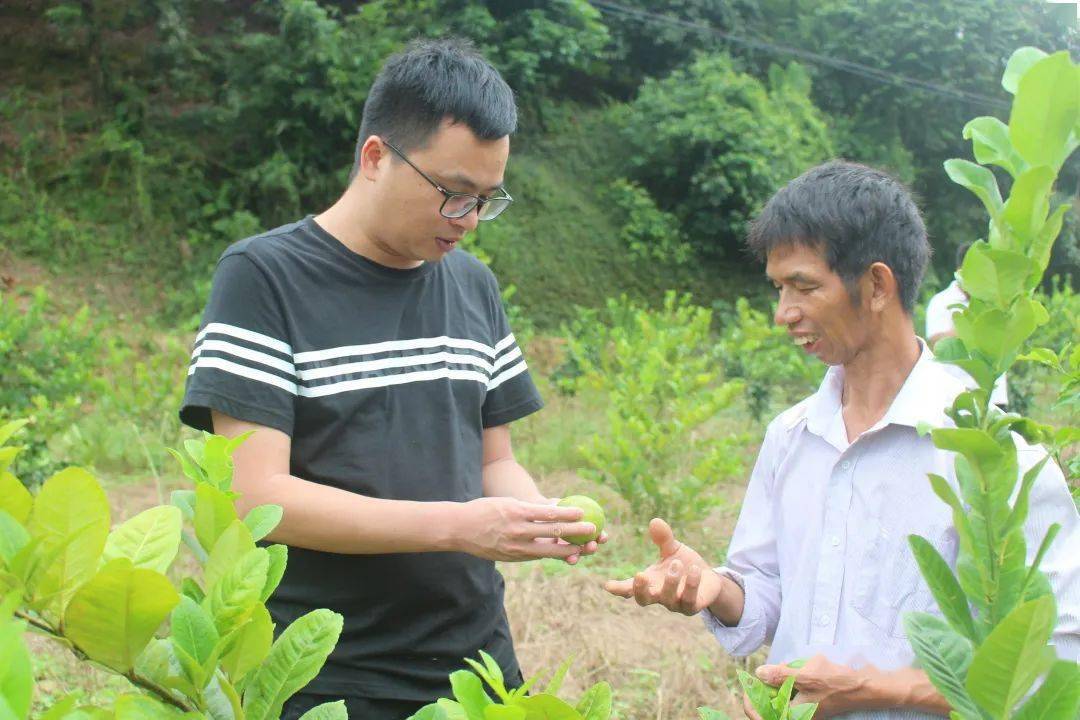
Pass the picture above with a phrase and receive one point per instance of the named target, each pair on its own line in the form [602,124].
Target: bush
[104,593]
[712,144]
[657,372]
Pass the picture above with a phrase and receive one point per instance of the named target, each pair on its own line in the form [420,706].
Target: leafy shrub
[757,350]
[658,374]
[105,594]
[711,144]
[471,701]
[648,232]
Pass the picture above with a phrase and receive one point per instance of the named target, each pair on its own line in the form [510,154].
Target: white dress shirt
[821,543]
[939,319]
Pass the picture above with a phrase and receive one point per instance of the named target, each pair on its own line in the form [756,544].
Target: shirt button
[846,464]
[835,540]
[823,619]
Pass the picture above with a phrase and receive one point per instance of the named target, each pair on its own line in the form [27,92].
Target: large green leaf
[1019,63]
[13,538]
[595,704]
[262,520]
[149,540]
[279,556]
[547,707]
[232,545]
[71,516]
[945,656]
[505,712]
[994,275]
[251,645]
[1044,111]
[469,692]
[945,587]
[235,596]
[1040,248]
[144,707]
[294,660]
[16,671]
[1028,205]
[327,711]
[991,145]
[214,511]
[115,614]
[14,497]
[978,180]
[193,633]
[1058,697]
[1011,657]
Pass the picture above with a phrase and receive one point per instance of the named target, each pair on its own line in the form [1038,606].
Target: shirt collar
[923,397]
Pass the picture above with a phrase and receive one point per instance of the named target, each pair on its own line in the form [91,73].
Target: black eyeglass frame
[478,201]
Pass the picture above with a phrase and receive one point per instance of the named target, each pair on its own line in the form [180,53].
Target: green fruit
[593,514]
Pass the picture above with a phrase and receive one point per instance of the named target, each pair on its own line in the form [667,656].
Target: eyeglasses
[458,205]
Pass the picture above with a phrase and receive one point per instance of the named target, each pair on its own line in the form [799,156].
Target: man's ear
[373,156]
[882,287]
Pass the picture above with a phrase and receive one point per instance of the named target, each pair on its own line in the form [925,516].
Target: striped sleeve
[241,361]
[511,393]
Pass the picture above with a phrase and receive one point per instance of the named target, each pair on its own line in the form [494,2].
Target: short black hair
[431,80]
[858,215]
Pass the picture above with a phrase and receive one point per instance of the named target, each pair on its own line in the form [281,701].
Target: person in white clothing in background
[939,324]
[819,565]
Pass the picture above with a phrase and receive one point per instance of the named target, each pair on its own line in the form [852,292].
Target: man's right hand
[511,530]
[680,580]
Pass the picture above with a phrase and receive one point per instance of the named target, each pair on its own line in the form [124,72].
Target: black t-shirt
[385,380]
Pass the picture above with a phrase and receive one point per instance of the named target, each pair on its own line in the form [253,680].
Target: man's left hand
[837,689]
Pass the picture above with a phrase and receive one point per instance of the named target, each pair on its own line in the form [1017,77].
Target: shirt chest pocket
[888,583]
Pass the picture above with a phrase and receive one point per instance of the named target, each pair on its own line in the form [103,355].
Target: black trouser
[359,708]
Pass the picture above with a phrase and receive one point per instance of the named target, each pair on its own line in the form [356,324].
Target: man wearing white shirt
[819,565]
[939,324]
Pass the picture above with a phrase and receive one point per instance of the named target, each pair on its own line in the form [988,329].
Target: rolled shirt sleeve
[752,560]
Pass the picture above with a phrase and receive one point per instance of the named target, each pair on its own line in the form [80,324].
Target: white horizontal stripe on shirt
[506,375]
[243,371]
[241,333]
[388,380]
[397,346]
[243,352]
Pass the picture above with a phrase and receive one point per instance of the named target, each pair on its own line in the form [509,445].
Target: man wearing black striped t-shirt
[378,370]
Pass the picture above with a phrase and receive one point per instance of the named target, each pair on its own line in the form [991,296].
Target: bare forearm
[507,478]
[908,689]
[319,517]
[728,606]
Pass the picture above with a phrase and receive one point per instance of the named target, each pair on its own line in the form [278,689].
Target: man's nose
[468,221]
[786,313]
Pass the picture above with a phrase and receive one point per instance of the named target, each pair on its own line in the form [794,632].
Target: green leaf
[13,538]
[1040,248]
[945,587]
[504,712]
[547,707]
[71,516]
[758,693]
[1019,63]
[327,711]
[60,709]
[1044,111]
[430,712]
[294,660]
[469,691]
[149,540]
[261,520]
[193,633]
[996,276]
[555,684]
[7,430]
[279,555]
[595,704]
[8,455]
[251,645]
[803,711]
[945,656]
[705,713]
[1027,207]
[235,596]
[16,671]
[1058,697]
[143,707]
[233,544]
[991,145]
[15,499]
[115,614]
[978,180]
[1051,533]
[1011,657]
[214,511]
[190,469]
